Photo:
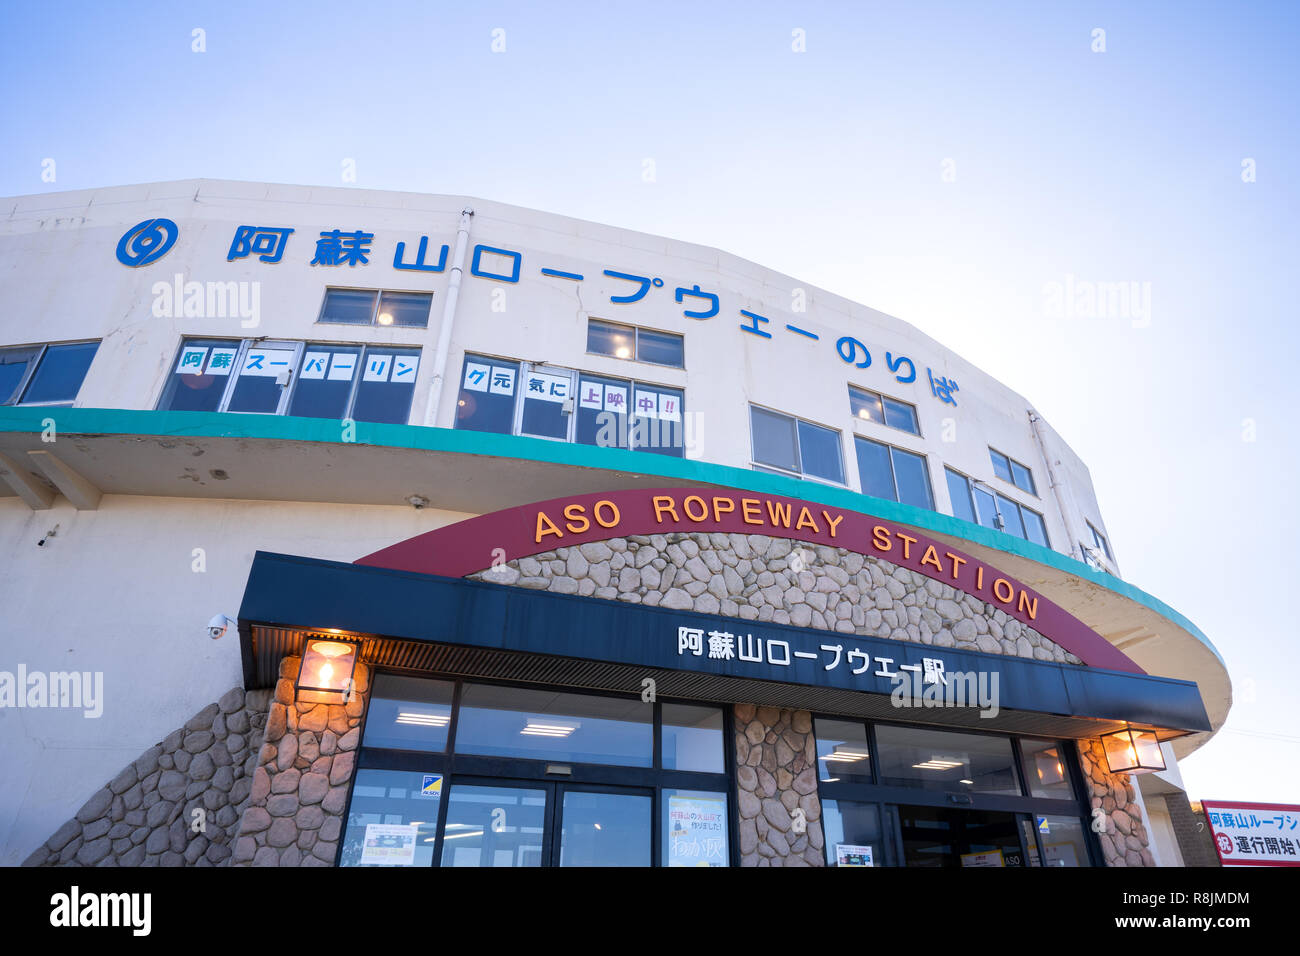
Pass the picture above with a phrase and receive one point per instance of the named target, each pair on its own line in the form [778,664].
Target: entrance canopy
[435,624]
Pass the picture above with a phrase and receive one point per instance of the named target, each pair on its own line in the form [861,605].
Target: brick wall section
[1125,841]
[776,775]
[304,771]
[1191,831]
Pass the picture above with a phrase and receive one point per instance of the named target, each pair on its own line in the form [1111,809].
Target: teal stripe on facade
[111,421]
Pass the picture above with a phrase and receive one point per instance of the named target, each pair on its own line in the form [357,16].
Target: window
[375,307]
[371,383]
[795,446]
[1099,542]
[1044,769]
[519,398]
[883,410]
[979,504]
[945,760]
[408,714]
[631,342]
[44,374]
[692,738]
[843,752]
[893,474]
[1012,472]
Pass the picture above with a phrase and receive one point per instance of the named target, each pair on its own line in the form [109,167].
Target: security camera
[218,626]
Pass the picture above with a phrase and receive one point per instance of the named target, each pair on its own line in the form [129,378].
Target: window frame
[33,366]
[1011,470]
[636,331]
[881,397]
[996,495]
[757,465]
[471,769]
[893,471]
[1100,539]
[374,322]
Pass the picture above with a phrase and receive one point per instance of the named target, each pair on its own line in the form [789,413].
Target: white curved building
[285,405]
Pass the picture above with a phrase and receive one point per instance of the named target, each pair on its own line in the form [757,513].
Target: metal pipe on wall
[443,352]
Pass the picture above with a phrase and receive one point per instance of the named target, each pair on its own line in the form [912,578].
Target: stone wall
[776,775]
[760,578]
[179,803]
[1125,841]
[1195,841]
[302,778]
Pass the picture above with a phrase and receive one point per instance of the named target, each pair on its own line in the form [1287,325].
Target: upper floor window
[883,410]
[1099,542]
[1011,471]
[976,502]
[893,474]
[541,401]
[631,342]
[312,380]
[376,307]
[44,374]
[795,446]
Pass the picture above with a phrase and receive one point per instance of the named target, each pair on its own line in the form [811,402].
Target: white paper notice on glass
[849,854]
[221,361]
[670,408]
[267,363]
[389,844]
[404,368]
[377,368]
[547,388]
[646,404]
[616,399]
[503,381]
[315,364]
[191,362]
[476,376]
[342,366]
[591,395]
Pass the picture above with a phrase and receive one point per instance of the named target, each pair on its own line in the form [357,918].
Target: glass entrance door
[942,837]
[510,824]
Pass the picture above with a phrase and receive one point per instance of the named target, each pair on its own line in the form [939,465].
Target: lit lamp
[1133,751]
[325,676]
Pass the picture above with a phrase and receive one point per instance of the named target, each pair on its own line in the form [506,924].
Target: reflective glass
[349,306]
[13,366]
[692,738]
[494,826]
[544,725]
[1011,517]
[392,818]
[959,493]
[59,376]
[843,753]
[188,392]
[661,348]
[1062,840]
[866,405]
[902,416]
[1035,529]
[386,386]
[874,470]
[545,393]
[774,441]
[1001,466]
[605,829]
[1045,769]
[325,378]
[1023,479]
[404,309]
[658,422]
[606,338]
[408,713]
[819,449]
[987,508]
[944,760]
[913,479]
[851,824]
[487,395]
[602,411]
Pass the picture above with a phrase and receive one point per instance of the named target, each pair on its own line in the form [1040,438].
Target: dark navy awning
[473,629]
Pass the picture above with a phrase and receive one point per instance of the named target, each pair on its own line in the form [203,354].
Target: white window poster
[476,376]
[697,830]
[389,844]
[849,854]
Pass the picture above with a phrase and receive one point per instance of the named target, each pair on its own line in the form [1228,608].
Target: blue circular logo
[146,242]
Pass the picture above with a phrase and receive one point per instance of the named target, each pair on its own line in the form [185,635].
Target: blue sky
[1115,166]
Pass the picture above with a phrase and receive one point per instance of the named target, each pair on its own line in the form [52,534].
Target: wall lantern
[1133,751]
[325,676]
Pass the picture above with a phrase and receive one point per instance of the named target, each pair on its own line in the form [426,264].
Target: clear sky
[944,163]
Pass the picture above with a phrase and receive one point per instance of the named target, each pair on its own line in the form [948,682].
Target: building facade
[530,541]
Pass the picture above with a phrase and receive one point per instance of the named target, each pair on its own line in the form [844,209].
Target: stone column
[1125,840]
[300,787]
[776,781]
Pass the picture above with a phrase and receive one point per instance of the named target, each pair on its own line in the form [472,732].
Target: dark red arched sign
[474,544]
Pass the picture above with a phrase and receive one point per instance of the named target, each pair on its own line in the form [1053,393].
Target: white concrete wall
[60,280]
[116,591]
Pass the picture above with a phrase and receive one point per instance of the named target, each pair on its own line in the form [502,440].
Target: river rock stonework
[302,777]
[776,788]
[179,803]
[761,578]
[1125,841]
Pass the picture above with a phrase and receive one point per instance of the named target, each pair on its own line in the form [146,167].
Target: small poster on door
[389,844]
[697,830]
[849,854]
[987,858]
